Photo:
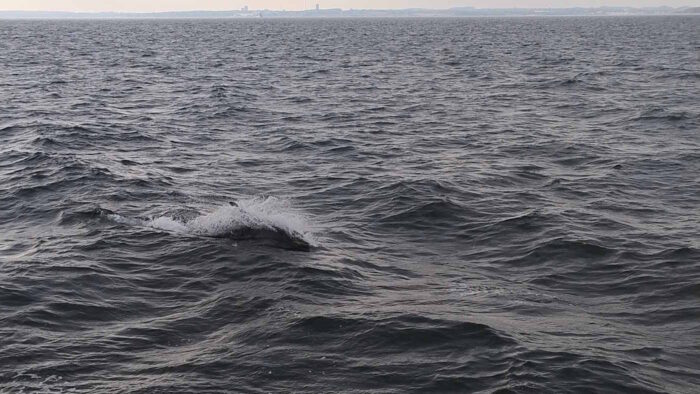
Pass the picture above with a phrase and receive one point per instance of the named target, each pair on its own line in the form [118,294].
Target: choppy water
[461,205]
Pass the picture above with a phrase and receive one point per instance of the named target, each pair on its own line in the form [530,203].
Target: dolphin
[277,236]
[273,235]
[280,237]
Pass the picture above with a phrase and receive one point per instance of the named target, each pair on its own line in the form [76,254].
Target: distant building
[245,8]
[317,7]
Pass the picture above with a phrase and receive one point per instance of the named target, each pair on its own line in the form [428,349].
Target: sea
[465,205]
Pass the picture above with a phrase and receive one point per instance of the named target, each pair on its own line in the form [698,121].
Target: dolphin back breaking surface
[269,220]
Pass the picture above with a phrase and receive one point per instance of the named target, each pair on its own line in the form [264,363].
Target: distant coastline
[357,13]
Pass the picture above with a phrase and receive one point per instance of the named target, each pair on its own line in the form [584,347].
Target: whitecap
[269,213]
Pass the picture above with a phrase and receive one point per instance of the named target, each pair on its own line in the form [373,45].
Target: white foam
[256,213]
[167,224]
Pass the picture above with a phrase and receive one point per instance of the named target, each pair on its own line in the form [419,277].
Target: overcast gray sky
[177,5]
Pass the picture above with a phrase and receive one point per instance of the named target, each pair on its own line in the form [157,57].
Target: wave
[399,332]
[661,114]
[269,218]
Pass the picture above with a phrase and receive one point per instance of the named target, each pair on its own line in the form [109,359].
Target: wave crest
[255,218]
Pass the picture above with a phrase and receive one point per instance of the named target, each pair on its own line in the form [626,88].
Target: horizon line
[602,7]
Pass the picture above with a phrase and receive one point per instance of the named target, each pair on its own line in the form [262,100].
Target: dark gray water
[390,206]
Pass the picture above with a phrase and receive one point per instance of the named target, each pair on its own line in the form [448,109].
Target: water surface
[494,205]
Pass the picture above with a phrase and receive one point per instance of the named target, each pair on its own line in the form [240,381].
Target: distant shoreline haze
[337,12]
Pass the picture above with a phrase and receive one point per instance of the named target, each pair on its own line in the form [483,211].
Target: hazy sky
[174,5]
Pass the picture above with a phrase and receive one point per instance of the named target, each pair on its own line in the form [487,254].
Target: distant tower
[317,7]
[245,8]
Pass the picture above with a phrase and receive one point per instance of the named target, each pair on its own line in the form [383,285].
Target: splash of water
[269,213]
